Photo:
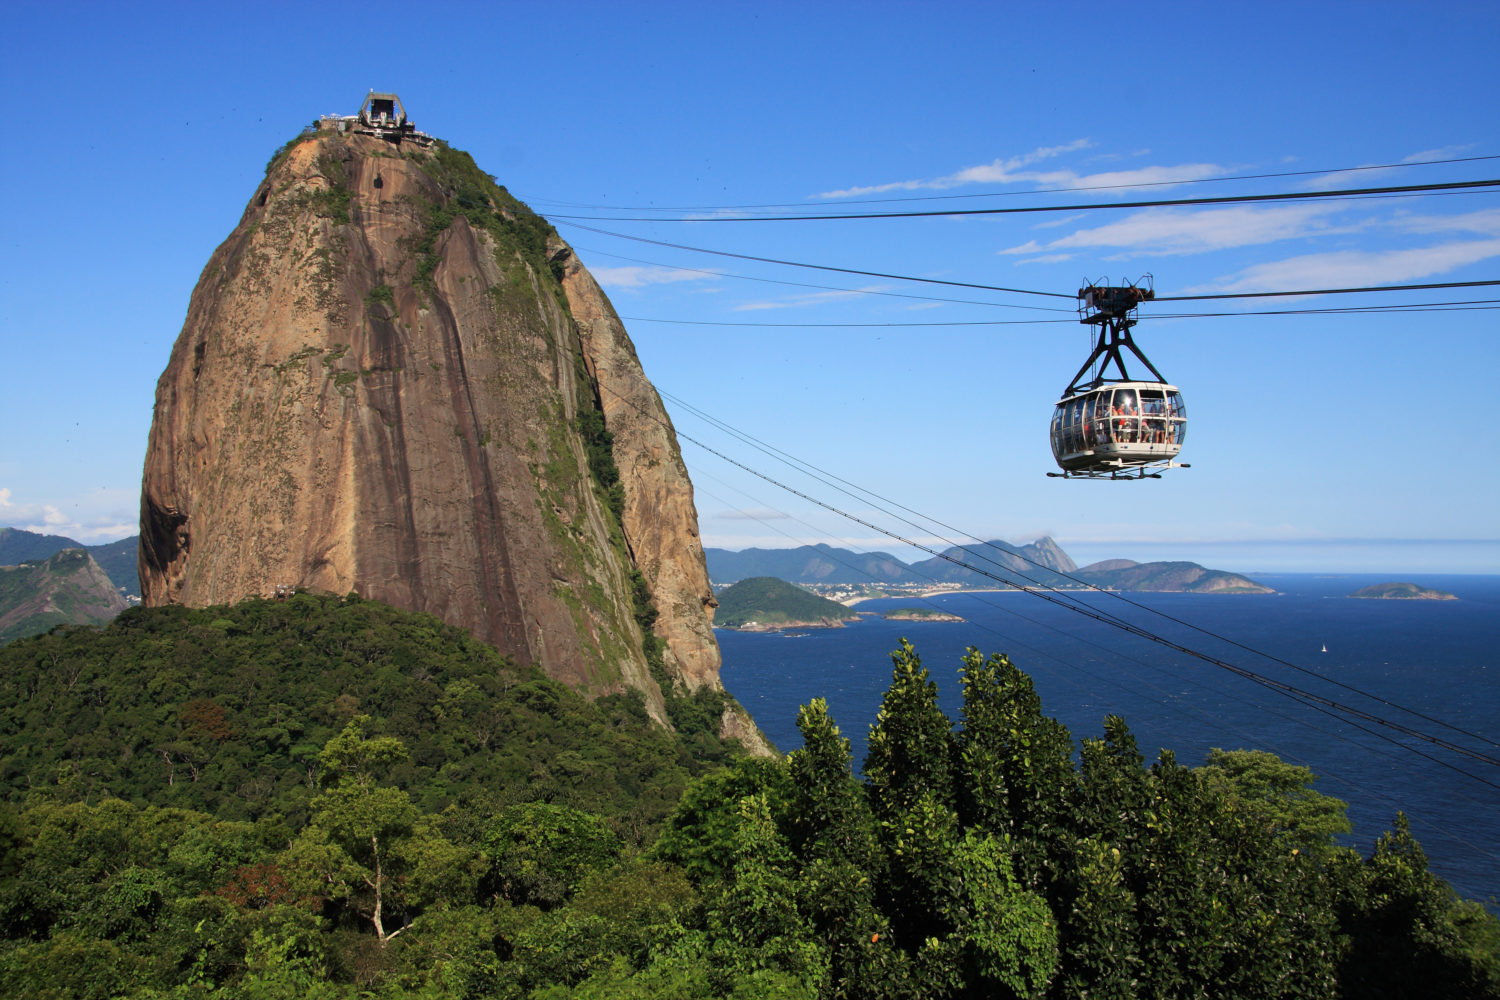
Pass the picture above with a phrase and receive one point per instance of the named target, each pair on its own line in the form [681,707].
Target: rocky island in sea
[1401,591]
[919,615]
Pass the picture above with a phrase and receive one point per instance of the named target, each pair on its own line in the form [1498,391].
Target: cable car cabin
[1119,430]
[1111,426]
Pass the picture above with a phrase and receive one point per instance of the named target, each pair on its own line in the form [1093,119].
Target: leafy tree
[1278,795]
[1100,948]
[367,847]
[828,817]
[911,743]
[1015,770]
[540,853]
[700,834]
[751,916]
[1408,933]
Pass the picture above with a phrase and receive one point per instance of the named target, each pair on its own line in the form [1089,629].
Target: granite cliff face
[390,381]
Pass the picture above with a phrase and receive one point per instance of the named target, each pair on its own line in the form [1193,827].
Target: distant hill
[827,564]
[1171,577]
[117,559]
[1402,592]
[767,601]
[67,587]
[18,546]
[1042,563]
[807,564]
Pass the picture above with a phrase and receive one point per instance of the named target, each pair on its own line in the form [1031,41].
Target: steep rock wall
[378,389]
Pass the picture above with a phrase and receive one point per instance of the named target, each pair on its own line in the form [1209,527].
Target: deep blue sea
[1440,658]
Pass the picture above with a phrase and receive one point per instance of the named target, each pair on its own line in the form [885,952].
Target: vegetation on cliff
[435,822]
[767,601]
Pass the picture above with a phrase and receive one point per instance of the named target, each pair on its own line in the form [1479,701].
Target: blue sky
[1324,442]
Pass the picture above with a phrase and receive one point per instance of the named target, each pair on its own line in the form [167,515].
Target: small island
[765,604]
[1402,592]
[919,615]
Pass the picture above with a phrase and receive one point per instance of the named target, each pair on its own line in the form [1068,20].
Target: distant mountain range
[117,559]
[1041,563]
[1042,559]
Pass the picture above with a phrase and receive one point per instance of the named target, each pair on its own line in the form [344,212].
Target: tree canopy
[328,798]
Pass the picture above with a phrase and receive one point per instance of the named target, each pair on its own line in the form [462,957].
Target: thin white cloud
[1049,258]
[1371,178]
[641,277]
[1058,223]
[752,514]
[1358,268]
[1000,171]
[810,299]
[1164,231]
[1485,222]
[99,516]
[1014,170]
[718,213]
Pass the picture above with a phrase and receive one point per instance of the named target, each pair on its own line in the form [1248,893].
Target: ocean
[1439,658]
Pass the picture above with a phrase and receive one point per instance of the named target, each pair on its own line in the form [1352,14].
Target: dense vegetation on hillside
[226,710]
[417,817]
[765,600]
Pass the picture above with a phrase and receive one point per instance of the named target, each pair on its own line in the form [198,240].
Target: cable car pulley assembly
[1111,426]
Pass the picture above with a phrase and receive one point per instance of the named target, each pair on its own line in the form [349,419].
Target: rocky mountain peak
[394,379]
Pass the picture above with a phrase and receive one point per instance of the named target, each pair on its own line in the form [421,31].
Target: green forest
[329,798]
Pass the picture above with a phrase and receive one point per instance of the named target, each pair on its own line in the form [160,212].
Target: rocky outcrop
[385,384]
[660,519]
[67,587]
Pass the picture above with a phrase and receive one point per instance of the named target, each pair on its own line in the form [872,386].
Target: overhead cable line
[1288,690]
[1167,697]
[1031,291]
[1052,596]
[824,476]
[861,326]
[824,288]
[1427,286]
[1466,306]
[1242,199]
[824,267]
[1011,194]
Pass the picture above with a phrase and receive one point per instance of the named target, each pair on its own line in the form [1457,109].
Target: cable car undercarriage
[1111,426]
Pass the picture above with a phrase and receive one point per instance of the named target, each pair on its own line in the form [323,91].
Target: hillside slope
[65,588]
